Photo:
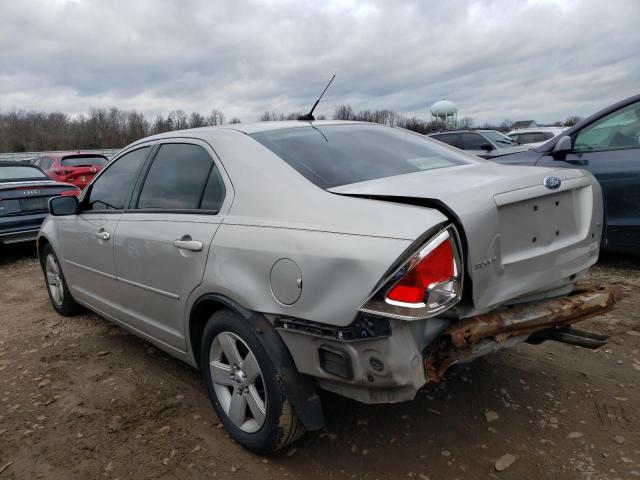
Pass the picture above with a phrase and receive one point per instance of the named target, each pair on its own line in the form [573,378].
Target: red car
[77,168]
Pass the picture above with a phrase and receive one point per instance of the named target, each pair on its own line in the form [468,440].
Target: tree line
[102,128]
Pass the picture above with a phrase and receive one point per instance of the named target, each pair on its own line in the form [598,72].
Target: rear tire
[242,384]
[57,288]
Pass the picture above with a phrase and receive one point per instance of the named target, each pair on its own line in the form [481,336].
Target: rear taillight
[61,172]
[429,282]
[436,267]
[70,193]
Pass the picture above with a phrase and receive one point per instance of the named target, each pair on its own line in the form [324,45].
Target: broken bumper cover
[465,338]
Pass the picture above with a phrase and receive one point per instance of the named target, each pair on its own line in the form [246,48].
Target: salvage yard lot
[82,398]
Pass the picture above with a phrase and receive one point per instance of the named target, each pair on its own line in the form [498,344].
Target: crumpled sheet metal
[457,341]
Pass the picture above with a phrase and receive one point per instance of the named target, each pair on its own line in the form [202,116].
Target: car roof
[255,127]
[538,129]
[473,130]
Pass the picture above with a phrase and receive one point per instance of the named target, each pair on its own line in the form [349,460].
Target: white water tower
[445,112]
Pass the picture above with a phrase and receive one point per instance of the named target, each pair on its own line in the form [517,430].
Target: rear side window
[180,178]
[46,163]
[333,155]
[112,189]
[84,161]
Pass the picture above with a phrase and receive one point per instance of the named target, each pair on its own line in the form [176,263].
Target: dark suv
[608,145]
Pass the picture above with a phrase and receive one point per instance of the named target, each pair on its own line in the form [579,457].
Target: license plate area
[33,204]
[544,223]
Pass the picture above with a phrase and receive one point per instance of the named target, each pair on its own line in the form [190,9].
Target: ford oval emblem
[552,183]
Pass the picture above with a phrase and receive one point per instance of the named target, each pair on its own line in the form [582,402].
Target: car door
[163,240]
[86,239]
[610,149]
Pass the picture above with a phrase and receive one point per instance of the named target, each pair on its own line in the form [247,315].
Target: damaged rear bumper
[474,336]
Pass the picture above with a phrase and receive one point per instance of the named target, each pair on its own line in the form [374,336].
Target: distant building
[524,124]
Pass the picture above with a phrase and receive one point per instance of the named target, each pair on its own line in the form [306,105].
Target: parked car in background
[24,195]
[483,143]
[608,145]
[534,137]
[76,168]
[282,257]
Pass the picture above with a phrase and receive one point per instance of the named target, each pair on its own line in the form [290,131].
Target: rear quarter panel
[338,271]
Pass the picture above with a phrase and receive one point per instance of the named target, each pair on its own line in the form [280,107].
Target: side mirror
[59,206]
[563,145]
[487,146]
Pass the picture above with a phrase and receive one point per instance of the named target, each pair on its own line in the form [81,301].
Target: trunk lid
[525,241]
[78,175]
[29,197]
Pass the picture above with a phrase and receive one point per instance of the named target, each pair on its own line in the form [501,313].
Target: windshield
[18,172]
[500,139]
[83,161]
[335,155]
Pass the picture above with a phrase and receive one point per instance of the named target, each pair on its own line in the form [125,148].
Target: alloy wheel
[238,382]
[54,280]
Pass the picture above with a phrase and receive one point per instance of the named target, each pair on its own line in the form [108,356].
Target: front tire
[242,384]
[57,288]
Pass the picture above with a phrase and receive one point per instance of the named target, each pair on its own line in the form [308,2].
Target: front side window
[473,141]
[112,189]
[620,129]
[334,155]
[177,178]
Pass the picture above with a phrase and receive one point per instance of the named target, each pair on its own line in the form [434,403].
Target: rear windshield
[83,161]
[500,139]
[18,172]
[334,155]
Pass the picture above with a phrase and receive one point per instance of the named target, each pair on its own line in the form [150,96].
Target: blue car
[608,145]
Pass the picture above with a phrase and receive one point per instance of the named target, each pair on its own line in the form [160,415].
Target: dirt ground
[82,398]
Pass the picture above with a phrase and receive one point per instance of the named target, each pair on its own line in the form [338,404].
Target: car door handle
[103,235]
[185,243]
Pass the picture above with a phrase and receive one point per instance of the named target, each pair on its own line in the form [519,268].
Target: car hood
[522,238]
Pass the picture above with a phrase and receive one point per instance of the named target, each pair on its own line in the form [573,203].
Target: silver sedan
[282,258]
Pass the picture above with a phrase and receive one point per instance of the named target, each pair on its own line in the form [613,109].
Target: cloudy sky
[544,60]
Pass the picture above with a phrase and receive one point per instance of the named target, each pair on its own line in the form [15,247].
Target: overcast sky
[542,60]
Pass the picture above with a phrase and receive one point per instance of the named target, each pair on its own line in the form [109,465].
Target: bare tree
[178,120]
[268,117]
[507,124]
[216,117]
[196,120]
[465,122]
[344,112]
[571,121]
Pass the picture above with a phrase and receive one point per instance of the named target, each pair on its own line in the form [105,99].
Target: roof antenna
[309,116]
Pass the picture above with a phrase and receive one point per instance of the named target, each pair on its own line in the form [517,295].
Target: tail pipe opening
[571,336]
